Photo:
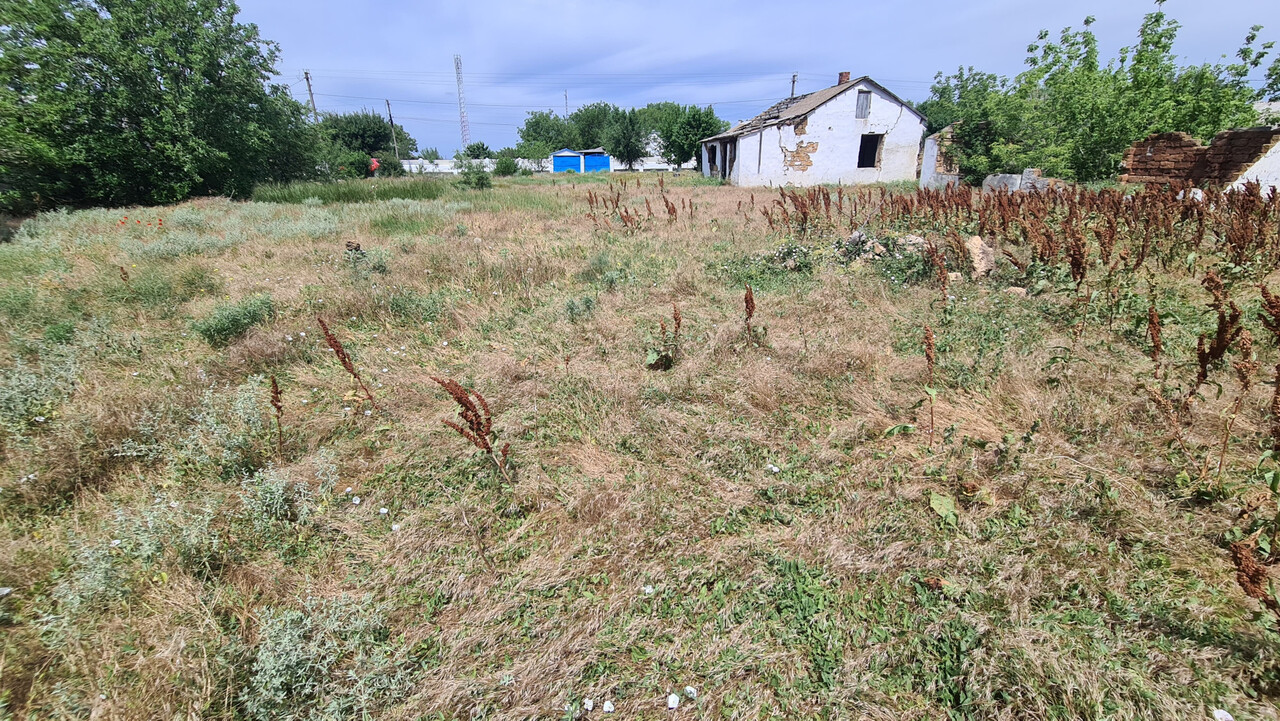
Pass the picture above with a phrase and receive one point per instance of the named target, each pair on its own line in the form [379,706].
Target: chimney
[844,78]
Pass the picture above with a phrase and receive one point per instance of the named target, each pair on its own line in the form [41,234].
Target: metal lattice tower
[462,103]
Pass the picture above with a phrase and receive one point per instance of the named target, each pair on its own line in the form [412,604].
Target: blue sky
[737,56]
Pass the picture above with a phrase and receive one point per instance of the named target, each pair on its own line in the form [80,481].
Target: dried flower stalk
[336,346]
[478,420]
[277,402]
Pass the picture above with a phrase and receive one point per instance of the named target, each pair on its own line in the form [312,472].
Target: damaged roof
[792,110]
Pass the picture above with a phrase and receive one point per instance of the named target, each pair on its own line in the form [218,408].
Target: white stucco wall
[1265,172]
[831,136]
[929,175]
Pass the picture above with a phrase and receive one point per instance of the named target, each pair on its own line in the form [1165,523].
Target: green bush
[474,176]
[271,499]
[30,396]
[331,659]
[389,166]
[229,321]
[505,167]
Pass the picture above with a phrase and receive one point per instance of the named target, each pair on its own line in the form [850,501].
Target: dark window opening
[869,151]
[864,104]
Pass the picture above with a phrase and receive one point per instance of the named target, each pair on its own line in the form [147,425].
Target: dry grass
[758,522]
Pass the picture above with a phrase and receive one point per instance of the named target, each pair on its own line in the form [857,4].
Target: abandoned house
[853,132]
[1233,158]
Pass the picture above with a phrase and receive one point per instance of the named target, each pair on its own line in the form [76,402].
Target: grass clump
[349,191]
[229,321]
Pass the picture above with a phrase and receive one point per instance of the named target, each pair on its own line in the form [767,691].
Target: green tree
[430,154]
[551,129]
[536,151]
[113,102]
[660,118]
[590,122]
[625,138]
[1073,117]
[686,137]
[365,132]
[477,151]
[405,143]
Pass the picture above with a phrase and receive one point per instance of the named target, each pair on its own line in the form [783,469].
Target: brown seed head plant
[124,275]
[749,312]
[1252,576]
[939,261]
[1209,352]
[336,346]
[1154,333]
[1246,368]
[930,357]
[1271,320]
[277,402]
[664,357]
[477,424]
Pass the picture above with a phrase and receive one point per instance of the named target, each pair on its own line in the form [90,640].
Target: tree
[687,134]
[430,154]
[660,118]
[535,151]
[477,151]
[1072,117]
[365,131]
[590,122]
[551,129]
[110,102]
[625,137]
[405,143]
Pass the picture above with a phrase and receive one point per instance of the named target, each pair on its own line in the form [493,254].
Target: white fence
[537,166]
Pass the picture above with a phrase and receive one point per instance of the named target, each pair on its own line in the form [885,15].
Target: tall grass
[350,191]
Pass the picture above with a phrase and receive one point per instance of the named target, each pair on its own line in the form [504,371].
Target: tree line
[119,102]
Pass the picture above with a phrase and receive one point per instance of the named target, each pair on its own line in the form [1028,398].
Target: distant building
[595,160]
[855,131]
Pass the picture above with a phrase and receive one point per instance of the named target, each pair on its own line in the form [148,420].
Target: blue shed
[595,160]
[564,160]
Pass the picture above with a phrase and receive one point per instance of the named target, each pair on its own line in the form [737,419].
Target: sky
[739,57]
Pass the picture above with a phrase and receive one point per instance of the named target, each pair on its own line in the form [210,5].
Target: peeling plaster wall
[823,148]
[1265,172]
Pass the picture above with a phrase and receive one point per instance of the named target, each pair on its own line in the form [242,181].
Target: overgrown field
[867,487]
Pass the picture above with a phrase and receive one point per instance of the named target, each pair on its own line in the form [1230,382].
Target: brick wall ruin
[1180,158]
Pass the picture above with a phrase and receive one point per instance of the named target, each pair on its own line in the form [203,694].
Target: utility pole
[394,144]
[462,104]
[315,117]
[793,84]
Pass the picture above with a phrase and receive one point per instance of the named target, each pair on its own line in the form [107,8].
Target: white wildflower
[691,692]
[648,590]
[588,704]
[355,500]
[608,707]
[673,701]
[383,511]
